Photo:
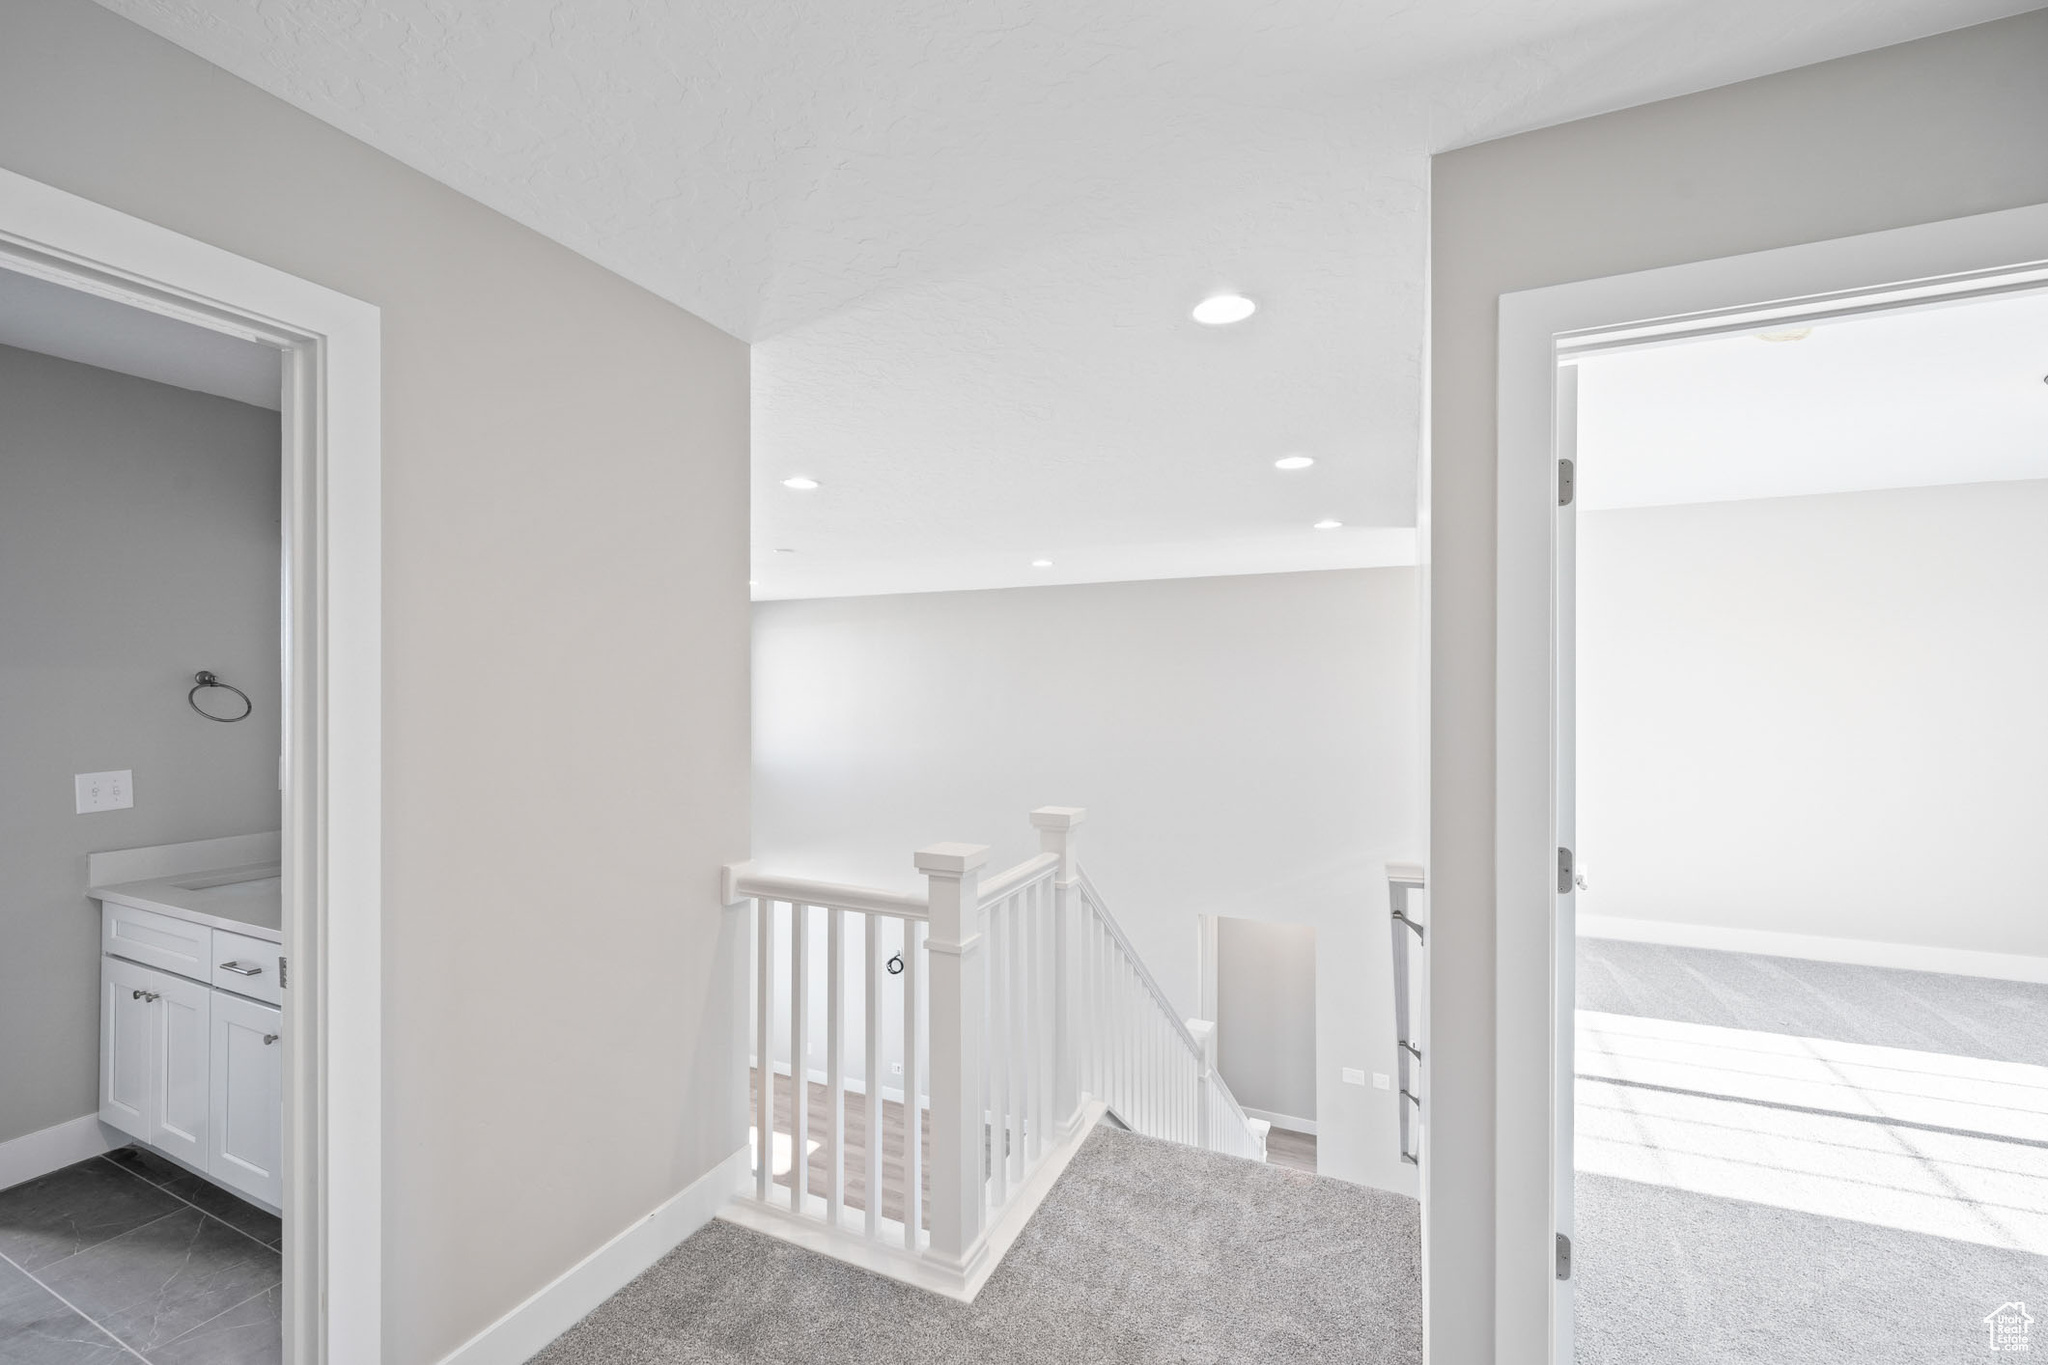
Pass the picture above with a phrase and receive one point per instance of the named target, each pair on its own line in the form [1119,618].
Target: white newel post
[1056,835]
[958,980]
[1205,1038]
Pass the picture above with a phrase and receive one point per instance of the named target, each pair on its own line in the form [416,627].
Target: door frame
[1924,265]
[331,767]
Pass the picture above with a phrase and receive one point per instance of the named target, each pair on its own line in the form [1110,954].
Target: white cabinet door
[184,1028]
[248,1098]
[127,1046]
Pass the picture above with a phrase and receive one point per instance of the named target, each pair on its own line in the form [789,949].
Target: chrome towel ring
[203,680]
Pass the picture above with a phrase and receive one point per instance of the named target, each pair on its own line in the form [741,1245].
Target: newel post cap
[951,860]
[1058,817]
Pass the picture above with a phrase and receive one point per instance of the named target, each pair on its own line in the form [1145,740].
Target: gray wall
[1924,131]
[1266,1014]
[138,544]
[1244,746]
[1846,687]
[565,616]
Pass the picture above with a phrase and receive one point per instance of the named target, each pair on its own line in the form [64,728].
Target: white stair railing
[1154,1071]
[923,1066]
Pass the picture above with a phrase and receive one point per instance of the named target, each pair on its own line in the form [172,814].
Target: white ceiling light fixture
[1294,462]
[802,483]
[1328,524]
[1041,563]
[1220,310]
[1787,334]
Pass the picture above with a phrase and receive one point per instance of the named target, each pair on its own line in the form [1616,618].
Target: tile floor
[128,1256]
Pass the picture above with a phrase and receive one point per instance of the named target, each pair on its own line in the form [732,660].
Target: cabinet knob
[145,995]
[269,1038]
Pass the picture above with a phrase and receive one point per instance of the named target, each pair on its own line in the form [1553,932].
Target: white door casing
[1926,264]
[332,780]
[1564,939]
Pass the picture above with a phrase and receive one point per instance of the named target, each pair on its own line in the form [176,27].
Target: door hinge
[283,976]
[1564,872]
[1564,483]
[1564,1257]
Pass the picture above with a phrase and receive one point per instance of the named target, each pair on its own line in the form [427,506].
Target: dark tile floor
[128,1256]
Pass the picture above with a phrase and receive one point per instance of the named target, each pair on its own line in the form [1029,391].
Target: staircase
[923,1067]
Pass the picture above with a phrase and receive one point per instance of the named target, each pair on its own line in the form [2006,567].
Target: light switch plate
[1380,1081]
[105,791]
[1354,1075]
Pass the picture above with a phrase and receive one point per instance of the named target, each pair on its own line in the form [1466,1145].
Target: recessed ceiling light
[1219,310]
[1328,524]
[803,483]
[1041,563]
[784,550]
[753,582]
[1294,462]
[1788,334]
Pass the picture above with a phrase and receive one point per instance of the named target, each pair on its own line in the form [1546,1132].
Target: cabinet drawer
[246,966]
[174,945]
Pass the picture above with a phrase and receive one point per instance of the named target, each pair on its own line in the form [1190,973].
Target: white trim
[1288,1121]
[1911,265]
[892,1259]
[576,1292]
[53,1148]
[331,422]
[1861,952]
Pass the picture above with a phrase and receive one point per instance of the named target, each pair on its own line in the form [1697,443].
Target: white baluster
[913,1118]
[1034,1040]
[799,1041]
[764,1058]
[1020,1053]
[999,1050]
[872,1071]
[1057,834]
[835,1078]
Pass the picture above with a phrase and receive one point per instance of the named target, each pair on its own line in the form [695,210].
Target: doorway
[1265,1013]
[325,350]
[1537,877]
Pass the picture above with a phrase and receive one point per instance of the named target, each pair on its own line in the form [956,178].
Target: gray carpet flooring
[1144,1251]
[1686,1278]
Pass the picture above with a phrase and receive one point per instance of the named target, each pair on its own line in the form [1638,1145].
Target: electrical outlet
[1380,1081]
[1354,1075]
[895,1068]
[104,791]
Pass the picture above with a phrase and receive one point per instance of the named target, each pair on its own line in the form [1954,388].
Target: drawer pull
[239,970]
[144,995]
[269,1038]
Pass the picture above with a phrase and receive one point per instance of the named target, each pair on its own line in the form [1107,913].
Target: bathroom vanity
[192,973]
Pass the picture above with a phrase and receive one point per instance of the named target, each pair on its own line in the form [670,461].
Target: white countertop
[244,900]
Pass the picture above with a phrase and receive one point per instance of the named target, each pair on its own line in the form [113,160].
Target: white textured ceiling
[965,236]
[1894,400]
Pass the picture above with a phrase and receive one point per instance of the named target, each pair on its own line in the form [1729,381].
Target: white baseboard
[53,1148]
[1820,948]
[1287,1121]
[560,1305]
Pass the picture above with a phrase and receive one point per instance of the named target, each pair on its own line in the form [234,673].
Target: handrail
[1017,878]
[1116,931]
[832,895]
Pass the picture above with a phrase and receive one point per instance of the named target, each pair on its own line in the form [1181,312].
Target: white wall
[1266,1014]
[565,662]
[1244,746]
[139,544]
[1909,134]
[1820,715]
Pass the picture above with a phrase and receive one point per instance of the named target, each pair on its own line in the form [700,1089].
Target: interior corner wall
[1244,746]
[139,543]
[1819,715]
[565,660]
[1916,133]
